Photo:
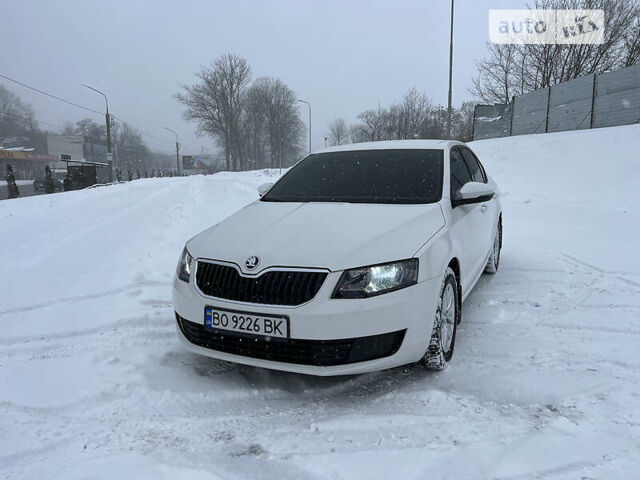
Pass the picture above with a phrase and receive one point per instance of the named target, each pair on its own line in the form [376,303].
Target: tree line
[131,153]
[19,127]
[415,116]
[511,70]
[18,123]
[256,123]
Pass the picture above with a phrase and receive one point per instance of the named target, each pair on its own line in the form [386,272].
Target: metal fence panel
[530,112]
[617,98]
[617,102]
[570,105]
[491,121]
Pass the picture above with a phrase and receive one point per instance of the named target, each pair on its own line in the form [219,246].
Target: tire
[494,257]
[447,317]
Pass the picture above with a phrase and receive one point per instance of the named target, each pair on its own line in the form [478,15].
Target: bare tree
[19,127]
[463,122]
[510,70]
[339,133]
[92,131]
[215,104]
[631,42]
[498,74]
[255,124]
[273,129]
[284,124]
[408,119]
[372,126]
[414,117]
[133,153]
[17,119]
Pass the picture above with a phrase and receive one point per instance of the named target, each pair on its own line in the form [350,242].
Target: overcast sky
[342,56]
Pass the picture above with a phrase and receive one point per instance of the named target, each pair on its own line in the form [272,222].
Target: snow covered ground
[544,383]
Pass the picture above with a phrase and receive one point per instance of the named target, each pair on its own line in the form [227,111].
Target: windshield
[365,176]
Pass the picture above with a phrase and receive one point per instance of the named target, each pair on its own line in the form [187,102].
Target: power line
[142,131]
[50,95]
[81,106]
[15,115]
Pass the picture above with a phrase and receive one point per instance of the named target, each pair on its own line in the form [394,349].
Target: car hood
[336,236]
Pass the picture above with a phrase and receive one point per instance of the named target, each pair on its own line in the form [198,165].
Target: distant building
[79,147]
[26,163]
[72,145]
[81,155]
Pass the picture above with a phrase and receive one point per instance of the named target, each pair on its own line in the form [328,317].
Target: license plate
[244,322]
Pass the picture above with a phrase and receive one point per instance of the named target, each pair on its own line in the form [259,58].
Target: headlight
[184,266]
[377,279]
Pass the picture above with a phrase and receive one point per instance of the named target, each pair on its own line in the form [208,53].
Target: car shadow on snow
[372,385]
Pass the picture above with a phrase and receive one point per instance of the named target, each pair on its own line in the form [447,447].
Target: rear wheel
[447,317]
[494,257]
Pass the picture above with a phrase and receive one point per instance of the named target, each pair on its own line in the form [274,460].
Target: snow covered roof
[17,149]
[392,145]
[87,162]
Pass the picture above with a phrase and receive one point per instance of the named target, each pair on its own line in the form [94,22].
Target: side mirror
[474,192]
[264,188]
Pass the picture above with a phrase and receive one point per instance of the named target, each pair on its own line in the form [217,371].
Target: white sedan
[357,259]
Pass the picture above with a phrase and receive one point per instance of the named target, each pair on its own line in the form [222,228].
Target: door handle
[483,208]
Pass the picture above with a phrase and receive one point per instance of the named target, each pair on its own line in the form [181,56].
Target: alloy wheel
[448,318]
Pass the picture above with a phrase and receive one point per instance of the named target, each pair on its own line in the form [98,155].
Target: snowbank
[93,382]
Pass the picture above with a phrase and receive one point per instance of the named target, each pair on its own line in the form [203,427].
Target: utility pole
[108,123]
[177,149]
[450,74]
[308,105]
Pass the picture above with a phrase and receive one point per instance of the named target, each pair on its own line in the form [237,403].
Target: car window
[459,171]
[363,176]
[477,172]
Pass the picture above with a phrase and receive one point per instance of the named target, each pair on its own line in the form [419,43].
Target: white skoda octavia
[357,259]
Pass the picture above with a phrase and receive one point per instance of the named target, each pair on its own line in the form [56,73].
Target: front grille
[304,352]
[271,288]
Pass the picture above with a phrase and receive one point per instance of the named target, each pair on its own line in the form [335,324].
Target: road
[25,191]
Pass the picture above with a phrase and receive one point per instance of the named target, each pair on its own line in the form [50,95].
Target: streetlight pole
[308,105]
[108,122]
[177,149]
[450,74]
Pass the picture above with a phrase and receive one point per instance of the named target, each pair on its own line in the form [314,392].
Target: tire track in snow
[82,298]
[614,274]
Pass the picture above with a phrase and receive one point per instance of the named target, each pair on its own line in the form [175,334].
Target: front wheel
[447,316]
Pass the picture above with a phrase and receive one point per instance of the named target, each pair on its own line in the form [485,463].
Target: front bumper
[400,322]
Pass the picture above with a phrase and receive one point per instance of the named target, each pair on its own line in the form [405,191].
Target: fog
[341,57]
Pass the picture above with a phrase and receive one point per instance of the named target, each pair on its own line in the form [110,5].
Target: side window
[459,172]
[477,172]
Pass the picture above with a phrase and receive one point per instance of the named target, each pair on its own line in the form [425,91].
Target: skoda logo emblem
[252,262]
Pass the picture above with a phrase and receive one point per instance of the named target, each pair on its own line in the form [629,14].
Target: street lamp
[308,105]
[108,122]
[177,149]
[450,73]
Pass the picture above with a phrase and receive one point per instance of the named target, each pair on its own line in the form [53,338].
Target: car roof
[393,145]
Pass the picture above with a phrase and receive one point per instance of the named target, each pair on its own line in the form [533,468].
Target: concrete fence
[592,101]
